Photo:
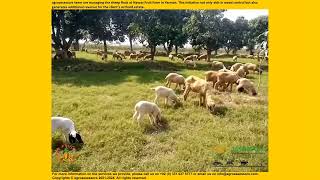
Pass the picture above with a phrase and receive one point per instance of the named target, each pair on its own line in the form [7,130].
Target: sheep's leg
[167,83]
[151,119]
[166,100]
[135,115]
[186,93]
[156,99]
[176,86]
[216,85]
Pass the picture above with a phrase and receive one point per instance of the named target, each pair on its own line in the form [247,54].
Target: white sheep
[175,78]
[190,63]
[66,125]
[171,57]
[145,107]
[235,67]
[167,94]
[235,58]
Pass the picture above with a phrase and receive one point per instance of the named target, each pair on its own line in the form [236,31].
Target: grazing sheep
[203,56]
[235,58]
[140,55]
[148,56]
[66,125]
[133,56]
[171,57]
[190,63]
[225,79]
[196,85]
[211,76]
[175,78]
[116,56]
[241,72]
[122,55]
[217,65]
[210,104]
[246,86]
[191,57]
[253,67]
[224,70]
[127,53]
[180,56]
[167,94]
[145,107]
[235,67]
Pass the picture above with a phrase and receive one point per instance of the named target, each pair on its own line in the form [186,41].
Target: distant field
[101,104]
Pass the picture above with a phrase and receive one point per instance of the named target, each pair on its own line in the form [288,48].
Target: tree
[203,29]
[65,28]
[241,27]
[227,30]
[257,26]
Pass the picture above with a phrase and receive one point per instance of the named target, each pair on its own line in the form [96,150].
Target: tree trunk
[130,41]
[176,47]
[76,45]
[105,49]
[153,50]
[208,54]
[251,51]
[227,50]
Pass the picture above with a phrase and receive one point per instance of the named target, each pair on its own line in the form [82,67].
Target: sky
[249,14]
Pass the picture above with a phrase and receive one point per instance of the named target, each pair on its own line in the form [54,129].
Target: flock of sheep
[218,80]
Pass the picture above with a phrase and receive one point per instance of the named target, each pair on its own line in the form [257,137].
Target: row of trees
[204,29]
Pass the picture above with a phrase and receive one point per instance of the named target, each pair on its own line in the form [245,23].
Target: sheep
[145,107]
[235,58]
[191,57]
[203,56]
[250,56]
[226,79]
[246,86]
[175,78]
[235,67]
[122,55]
[66,125]
[241,72]
[139,56]
[148,56]
[116,56]
[180,56]
[190,63]
[217,65]
[210,104]
[132,56]
[211,76]
[167,94]
[224,70]
[104,56]
[253,67]
[197,85]
[171,57]
[71,54]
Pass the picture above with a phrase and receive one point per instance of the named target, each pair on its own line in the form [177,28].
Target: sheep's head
[75,138]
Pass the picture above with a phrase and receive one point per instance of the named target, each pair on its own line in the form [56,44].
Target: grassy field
[101,104]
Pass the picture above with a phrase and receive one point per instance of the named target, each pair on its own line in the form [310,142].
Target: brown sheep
[132,56]
[175,78]
[116,56]
[140,55]
[211,76]
[217,65]
[148,56]
[225,79]
[196,85]
[241,72]
[246,86]
[253,67]
[180,56]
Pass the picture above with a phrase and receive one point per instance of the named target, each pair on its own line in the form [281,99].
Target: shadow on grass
[161,127]
[220,110]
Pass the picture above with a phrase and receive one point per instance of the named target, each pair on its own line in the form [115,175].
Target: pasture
[101,101]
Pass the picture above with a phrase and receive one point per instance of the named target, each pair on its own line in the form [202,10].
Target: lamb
[66,125]
[145,107]
[180,56]
[171,57]
[196,85]
[226,79]
[167,94]
[253,67]
[203,56]
[217,65]
[246,86]
[235,58]
[175,78]
[190,63]
[211,76]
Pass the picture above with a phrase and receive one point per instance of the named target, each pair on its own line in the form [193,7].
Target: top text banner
[159,4]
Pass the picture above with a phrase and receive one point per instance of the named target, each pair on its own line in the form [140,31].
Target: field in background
[101,102]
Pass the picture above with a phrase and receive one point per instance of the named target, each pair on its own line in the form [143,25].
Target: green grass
[101,104]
